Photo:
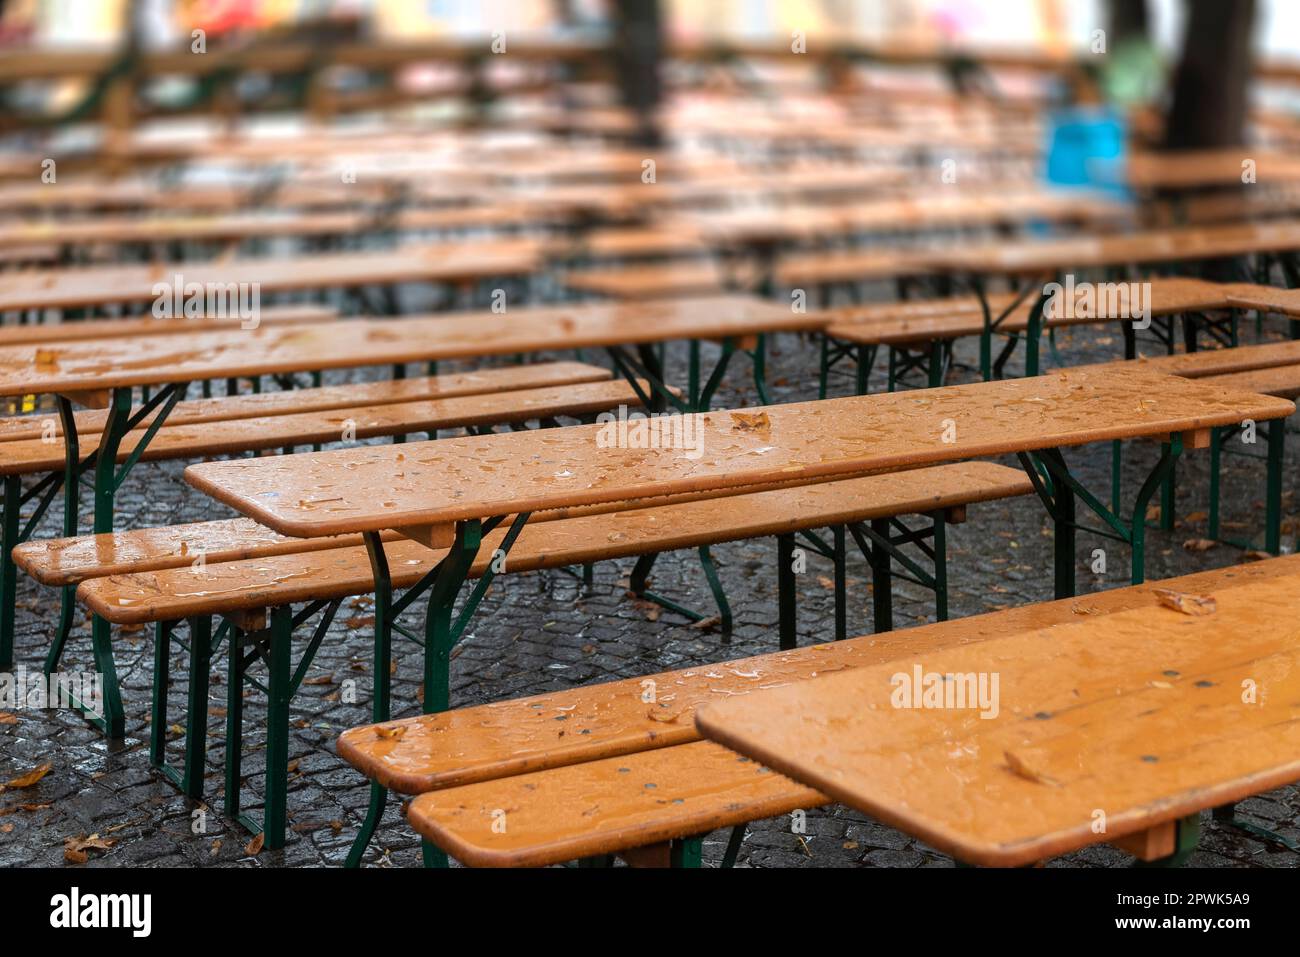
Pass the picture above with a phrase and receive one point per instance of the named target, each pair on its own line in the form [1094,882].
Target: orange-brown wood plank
[604,807]
[1098,728]
[604,720]
[419,484]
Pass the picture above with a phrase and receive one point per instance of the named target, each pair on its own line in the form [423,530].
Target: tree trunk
[637,52]
[1211,87]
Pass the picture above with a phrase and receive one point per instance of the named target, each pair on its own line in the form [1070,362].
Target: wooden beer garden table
[106,373]
[1034,263]
[1139,715]
[450,262]
[447,494]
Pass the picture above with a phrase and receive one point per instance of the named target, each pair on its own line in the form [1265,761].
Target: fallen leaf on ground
[320,680]
[1197,605]
[7,718]
[28,779]
[1199,544]
[254,847]
[75,848]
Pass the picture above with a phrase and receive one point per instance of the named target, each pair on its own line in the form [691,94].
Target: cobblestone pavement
[543,632]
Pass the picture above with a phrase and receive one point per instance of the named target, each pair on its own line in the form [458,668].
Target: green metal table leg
[13,490]
[438,634]
[234,727]
[196,717]
[693,374]
[940,525]
[866,358]
[274,814]
[787,598]
[162,647]
[1138,524]
[380,707]
[733,846]
[1167,500]
[433,856]
[882,585]
[759,359]
[1216,452]
[936,370]
[824,369]
[841,583]
[686,852]
[1275,435]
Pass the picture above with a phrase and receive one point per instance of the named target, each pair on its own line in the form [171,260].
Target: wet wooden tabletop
[261,224]
[1125,721]
[1268,299]
[435,484]
[428,262]
[1161,297]
[140,360]
[895,214]
[1033,257]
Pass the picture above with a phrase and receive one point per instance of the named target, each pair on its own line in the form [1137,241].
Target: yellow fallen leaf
[1199,544]
[393,731]
[30,778]
[254,847]
[7,718]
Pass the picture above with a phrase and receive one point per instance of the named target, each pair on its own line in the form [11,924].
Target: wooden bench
[243,577]
[609,742]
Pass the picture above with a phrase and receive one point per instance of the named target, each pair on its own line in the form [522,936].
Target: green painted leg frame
[1059,492]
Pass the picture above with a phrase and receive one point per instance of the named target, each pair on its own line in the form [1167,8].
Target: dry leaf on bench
[1197,605]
